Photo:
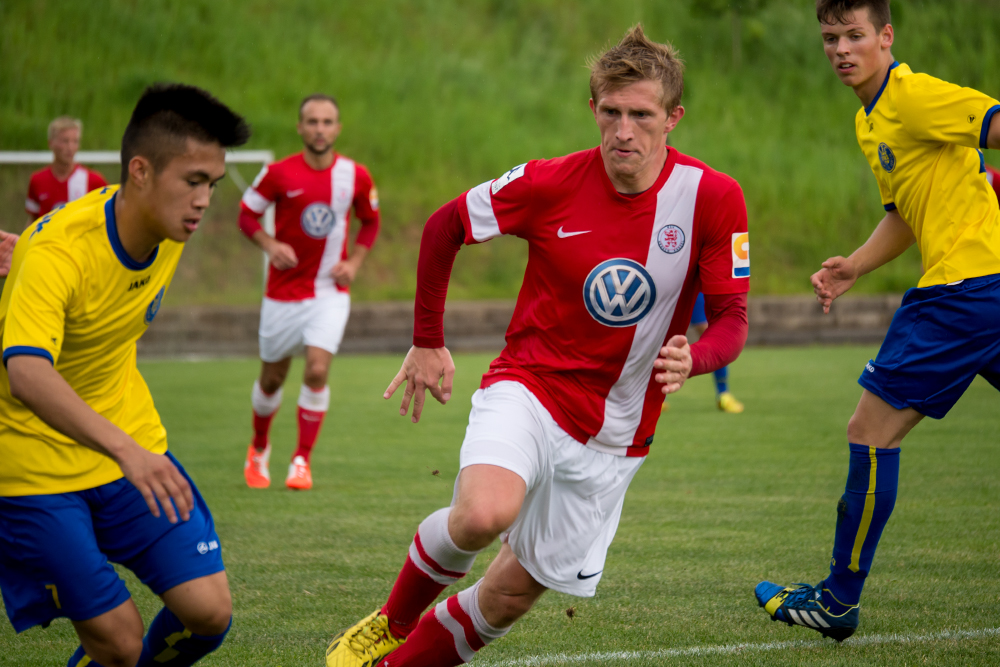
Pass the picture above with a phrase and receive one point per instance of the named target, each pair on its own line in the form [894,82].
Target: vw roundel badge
[317,220]
[670,239]
[886,157]
[154,307]
[619,292]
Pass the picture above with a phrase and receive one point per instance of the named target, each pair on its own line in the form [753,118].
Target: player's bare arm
[7,243]
[993,138]
[281,255]
[424,369]
[890,239]
[675,362]
[34,382]
[345,271]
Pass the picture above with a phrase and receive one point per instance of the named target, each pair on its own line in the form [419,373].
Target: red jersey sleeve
[366,207]
[498,207]
[31,204]
[726,335]
[95,180]
[724,258]
[264,192]
[443,236]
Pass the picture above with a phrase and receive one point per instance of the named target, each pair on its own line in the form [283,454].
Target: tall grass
[438,96]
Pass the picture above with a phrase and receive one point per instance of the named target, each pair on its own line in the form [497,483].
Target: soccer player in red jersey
[307,300]
[64,180]
[621,238]
[993,176]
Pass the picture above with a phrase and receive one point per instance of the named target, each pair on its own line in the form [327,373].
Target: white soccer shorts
[575,494]
[286,327]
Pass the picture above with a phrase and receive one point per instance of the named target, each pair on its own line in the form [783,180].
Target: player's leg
[194,621]
[113,639]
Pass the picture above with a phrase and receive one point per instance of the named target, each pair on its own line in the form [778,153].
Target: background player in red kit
[621,238]
[63,180]
[307,300]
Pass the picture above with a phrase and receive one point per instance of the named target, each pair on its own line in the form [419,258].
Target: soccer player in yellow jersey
[922,137]
[86,477]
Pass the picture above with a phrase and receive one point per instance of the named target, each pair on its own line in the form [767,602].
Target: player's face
[320,126]
[855,48]
[174,198]
[634,126]
[65,145]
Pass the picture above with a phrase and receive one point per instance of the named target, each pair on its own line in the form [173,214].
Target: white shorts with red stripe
[286,327]
[575,494]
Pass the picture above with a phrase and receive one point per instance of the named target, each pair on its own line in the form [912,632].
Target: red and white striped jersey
[610,278]
[312,214]
[47,193]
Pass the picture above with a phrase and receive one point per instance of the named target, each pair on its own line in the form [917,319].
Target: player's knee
[476,527]
[858,430]
[122,650]
[315,374]
[211,620]
[272,382]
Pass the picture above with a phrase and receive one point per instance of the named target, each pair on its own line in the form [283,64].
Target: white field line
[730,649]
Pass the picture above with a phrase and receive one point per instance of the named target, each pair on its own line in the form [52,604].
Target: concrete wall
[213,331]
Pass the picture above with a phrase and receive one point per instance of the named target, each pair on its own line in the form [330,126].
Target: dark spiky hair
[836,11]
[168,114]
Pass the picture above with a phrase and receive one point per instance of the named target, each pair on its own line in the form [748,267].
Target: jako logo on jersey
[317,220]
[154,306]
[886,157]
[512,175]
[204,547]
[619,292]
[869,367]
[670,239]
[741,255]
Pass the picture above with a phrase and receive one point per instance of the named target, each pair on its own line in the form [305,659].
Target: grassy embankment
[438,96]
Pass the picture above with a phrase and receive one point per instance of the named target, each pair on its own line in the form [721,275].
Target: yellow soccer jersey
[922,138]
[76,298]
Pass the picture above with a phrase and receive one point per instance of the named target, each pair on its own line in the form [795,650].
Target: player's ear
[140,171]
[888,35]
[674,117]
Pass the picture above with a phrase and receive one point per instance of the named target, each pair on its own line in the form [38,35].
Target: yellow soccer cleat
[728,403]
[363,644]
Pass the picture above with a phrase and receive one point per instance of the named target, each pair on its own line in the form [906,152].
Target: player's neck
[62,170]
[868,90]
[643,179]
[319,161]
[134,229]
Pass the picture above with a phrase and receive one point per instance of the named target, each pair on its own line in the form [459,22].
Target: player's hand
[344,271]
[424,369]
[7,242]
[157,479]
[281,255]
[675,362]
[836,277]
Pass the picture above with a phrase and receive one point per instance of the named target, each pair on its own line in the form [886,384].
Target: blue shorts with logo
[698,314]
[939,340]
[55,548]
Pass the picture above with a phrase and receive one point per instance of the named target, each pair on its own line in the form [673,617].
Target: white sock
[435,553]
[264,404]
[469,599]
[317,401]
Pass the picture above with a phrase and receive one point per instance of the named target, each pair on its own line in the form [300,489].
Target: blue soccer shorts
[698,314]
[939,340]
[55,548]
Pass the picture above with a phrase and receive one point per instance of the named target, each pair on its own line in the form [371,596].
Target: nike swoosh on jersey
[294,193]
[565,235]
[580,575]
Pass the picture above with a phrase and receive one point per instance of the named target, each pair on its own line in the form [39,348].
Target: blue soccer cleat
[802,604]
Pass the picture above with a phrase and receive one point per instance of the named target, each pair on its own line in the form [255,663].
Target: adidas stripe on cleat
[802,604]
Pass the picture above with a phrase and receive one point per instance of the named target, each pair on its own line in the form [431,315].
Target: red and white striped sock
[433,564]
[448,635]
[313,404]
[264,408]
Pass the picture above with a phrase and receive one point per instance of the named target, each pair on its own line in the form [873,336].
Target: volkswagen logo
[619,292]
[317,220]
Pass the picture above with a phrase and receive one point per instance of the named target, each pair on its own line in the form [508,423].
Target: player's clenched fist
[157,479]
[281,255]
[675,362]
[424,369]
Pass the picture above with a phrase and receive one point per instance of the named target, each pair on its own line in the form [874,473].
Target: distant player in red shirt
[621,238]
[63,180]
[993,176]
[307,300]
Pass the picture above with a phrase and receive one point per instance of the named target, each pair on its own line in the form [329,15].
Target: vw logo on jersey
[670,239]
[619,292]
[317,220]
[886,157]
[154,306]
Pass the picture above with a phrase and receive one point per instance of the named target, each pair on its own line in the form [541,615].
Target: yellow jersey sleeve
[934,110]
[46,287]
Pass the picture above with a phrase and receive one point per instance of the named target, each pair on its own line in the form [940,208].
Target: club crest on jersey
[619,292]
[154,307]
[317,220]
[512,175]
[670,239]
[741,255]
[886,157]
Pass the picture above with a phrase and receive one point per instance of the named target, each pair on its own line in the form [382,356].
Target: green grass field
[722,502]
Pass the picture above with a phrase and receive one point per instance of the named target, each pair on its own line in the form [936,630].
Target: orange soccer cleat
[299,476]
[255,469]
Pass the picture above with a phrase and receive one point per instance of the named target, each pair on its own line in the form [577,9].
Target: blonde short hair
[637,58]
[64,123]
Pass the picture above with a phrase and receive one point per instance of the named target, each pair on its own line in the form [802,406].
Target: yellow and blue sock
[863,510]
[80,659]
[169,644]
[721,380]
